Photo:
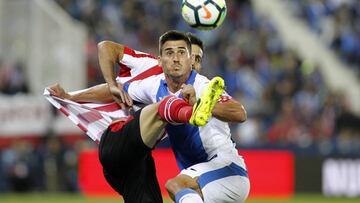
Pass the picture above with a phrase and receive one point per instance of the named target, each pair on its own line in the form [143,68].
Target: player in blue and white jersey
[212,169]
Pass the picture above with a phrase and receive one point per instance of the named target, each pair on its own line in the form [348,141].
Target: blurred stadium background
[294,64]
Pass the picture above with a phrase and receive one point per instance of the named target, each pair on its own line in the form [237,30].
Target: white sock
[187,196]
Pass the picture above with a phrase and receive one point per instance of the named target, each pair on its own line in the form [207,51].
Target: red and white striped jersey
[94,118]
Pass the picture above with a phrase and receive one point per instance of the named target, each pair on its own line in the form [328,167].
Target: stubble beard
[175,79]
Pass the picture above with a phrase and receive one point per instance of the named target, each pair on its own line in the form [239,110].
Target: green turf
[75,198]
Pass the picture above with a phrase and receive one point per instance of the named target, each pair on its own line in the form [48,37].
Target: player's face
[197,54]
[175,59]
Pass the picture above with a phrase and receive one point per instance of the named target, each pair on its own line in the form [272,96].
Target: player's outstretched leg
[205,104]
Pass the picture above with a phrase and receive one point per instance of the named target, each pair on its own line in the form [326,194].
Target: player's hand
[120,96]
[188,93]
[58,91]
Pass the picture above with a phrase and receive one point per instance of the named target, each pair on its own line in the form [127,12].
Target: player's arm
[229,110]
[109,54]
[99,93]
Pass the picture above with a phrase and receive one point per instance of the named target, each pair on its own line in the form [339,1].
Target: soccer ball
[204,14]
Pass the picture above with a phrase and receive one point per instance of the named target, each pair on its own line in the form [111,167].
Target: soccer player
[212,170]
[197,51]
[94,108]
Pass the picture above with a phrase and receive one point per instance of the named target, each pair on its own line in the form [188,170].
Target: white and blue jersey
[191,144]
[205,152]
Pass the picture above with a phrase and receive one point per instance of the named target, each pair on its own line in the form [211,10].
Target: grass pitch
[76,198]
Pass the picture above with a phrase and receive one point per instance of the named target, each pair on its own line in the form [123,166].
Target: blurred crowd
[337,22]
[44,164]
[287,100]
[12,78]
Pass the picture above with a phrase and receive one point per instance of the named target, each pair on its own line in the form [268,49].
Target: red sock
[175,110]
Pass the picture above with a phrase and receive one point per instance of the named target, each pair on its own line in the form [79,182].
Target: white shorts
[222,179]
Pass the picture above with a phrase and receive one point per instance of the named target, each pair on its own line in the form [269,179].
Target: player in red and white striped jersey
[92,115]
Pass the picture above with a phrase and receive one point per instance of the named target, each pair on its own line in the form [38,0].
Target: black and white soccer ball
[204,14]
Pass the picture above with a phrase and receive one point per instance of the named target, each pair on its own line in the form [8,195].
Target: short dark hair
[173,35]
[195,40]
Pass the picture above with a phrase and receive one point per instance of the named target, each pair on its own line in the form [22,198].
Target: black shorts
[127,162]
